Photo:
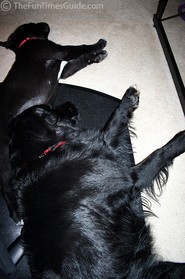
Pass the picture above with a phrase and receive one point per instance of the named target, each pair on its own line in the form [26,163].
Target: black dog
[34,76]
[80,197]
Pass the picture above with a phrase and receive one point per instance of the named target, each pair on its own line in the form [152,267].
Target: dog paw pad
[97,57]
[132,95]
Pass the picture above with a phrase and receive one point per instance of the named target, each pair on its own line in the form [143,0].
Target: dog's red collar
[52,148]
[28,39]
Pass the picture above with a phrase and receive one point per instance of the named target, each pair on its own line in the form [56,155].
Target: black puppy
[80,197]
[34,76]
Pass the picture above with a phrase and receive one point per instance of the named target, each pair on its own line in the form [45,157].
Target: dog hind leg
[157,162]
[166,270]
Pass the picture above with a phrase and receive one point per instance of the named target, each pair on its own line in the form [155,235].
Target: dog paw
[132,97]
[102,43]
[97,57]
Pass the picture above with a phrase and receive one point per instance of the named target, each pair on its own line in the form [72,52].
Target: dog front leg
[115,132]
[154,167]
[73,52]
[81,62]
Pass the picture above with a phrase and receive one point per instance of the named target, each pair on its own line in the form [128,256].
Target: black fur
[81,202]
[34,76]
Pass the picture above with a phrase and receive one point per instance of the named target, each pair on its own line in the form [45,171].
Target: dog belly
[62,65]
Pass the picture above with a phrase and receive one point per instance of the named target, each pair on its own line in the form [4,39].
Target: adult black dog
[34,76]
[80,197]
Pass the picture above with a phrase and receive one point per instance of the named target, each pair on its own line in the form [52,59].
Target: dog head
[36,30]
[38,128]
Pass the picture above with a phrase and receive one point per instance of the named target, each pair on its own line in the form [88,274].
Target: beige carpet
[134,57]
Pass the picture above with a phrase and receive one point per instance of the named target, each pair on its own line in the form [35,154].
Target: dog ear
[67,110]
[4,44]
[44,27]
[9,43]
